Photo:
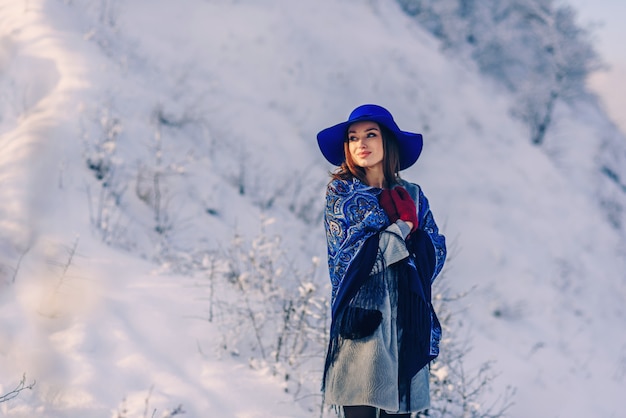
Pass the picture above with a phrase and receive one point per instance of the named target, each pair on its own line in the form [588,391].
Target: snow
[105,319]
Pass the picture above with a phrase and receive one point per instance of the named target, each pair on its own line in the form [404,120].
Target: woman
[384,251]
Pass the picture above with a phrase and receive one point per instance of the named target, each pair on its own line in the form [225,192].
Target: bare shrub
[456,390]
[148,411]
[280,320]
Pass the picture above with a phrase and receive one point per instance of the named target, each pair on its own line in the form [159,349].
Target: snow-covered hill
[140,137]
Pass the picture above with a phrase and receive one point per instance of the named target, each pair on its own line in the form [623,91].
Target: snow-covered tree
[532,47]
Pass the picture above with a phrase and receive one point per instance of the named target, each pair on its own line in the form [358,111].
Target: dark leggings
[368,412]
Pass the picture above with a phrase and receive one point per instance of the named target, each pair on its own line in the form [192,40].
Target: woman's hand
[397,203]
[405,206]
[386,202]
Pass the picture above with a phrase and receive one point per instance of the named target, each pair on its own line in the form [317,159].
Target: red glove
[397,203]
[405,206]
[386,202]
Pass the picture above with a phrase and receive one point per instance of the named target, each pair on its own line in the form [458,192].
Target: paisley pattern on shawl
[352,216]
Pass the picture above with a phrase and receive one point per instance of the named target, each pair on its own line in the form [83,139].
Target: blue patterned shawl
[352,216]
[353,221]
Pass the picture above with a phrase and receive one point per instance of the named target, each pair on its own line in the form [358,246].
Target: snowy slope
[220,100]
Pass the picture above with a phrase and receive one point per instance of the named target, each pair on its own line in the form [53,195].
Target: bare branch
[19,388]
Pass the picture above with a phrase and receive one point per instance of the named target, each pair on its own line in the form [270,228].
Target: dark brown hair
[391,161]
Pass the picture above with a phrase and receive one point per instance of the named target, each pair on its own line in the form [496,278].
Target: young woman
[384,251]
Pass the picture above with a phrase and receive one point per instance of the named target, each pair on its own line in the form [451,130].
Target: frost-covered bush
[100,132]
[457,391]
[279,320]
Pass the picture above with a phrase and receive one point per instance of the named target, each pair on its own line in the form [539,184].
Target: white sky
[610,31]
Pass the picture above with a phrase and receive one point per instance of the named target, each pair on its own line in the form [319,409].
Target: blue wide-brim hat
[331,140]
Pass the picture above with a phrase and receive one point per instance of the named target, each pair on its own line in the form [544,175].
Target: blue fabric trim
[357,273]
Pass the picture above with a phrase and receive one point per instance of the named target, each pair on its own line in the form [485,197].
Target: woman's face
[365,143]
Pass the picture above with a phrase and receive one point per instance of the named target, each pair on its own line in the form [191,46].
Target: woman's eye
[352,138]
[371,134]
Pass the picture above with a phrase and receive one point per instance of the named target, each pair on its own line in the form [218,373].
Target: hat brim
[331,140]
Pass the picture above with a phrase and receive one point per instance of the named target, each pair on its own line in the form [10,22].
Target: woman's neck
[375,177]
